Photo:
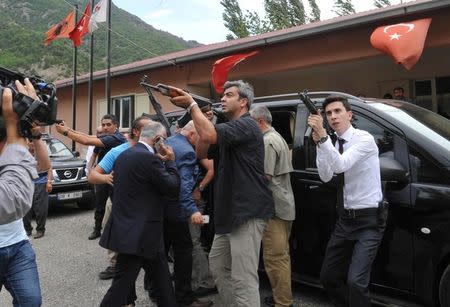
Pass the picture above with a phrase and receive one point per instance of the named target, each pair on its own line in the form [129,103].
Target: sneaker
[202,291]
[95,234]
[108,273]
[38,235]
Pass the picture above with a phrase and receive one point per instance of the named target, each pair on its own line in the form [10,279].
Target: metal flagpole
[91,73]
[74,85]
[108,72]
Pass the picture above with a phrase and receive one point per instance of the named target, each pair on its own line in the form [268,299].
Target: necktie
[341,181]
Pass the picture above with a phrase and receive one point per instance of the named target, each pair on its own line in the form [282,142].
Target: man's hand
[166,153]
[315,121]
[183,99]
[11,119]
[27,89]
[49,186]
[197,218]
[61,127]
[109,178]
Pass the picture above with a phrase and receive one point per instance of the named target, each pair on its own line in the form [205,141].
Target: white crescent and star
[397,36]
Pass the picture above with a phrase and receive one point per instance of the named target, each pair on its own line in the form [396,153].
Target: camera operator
[18,269]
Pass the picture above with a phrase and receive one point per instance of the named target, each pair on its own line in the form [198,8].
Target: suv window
[57,149]
[383,137]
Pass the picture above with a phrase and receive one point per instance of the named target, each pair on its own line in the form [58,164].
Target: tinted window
[423,170]
[383,138]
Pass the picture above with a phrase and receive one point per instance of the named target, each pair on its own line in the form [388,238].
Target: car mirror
[76,153]
[392,170]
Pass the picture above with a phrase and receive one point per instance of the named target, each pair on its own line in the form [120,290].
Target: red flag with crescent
[402,41]
[61,30]
[222,67]
[82,27]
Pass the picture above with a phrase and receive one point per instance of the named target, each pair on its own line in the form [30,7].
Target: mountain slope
[23,25]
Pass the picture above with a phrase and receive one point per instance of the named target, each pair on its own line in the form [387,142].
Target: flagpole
[74,85]
[108,71]
[91,77]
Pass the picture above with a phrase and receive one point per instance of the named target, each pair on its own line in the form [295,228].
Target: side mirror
[76,153]
[392,170]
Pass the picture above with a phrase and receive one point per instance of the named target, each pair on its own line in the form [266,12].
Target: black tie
[341,182]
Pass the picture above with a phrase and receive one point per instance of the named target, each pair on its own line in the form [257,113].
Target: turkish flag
[221,67]
[61,30]
[403,41]
[82,27]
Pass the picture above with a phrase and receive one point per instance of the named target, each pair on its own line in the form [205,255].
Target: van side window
[423,170]
[284,123]
[383,138]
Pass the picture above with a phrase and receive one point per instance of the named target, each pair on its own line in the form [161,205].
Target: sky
[201,20]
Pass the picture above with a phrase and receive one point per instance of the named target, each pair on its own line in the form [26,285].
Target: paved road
[69,264]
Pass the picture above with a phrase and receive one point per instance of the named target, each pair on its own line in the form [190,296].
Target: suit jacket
[181,209]
[141,182]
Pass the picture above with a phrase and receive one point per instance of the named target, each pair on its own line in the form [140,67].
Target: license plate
[70,195]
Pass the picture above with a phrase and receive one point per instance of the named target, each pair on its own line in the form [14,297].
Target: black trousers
[123,291]
[348,261]
[178,236]
[102,192]
[39,208]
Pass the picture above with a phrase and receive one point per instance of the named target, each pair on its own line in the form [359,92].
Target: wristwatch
[322,140]
[201,188]
[65,133]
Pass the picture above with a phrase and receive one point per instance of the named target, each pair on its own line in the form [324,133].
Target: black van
[413,263]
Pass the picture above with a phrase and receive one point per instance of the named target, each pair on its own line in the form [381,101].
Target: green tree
[381,3]
[315,11]
[296,12]
[234,19]
[277,13]
[343,7]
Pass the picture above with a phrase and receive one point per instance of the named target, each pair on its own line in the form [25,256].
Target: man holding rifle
[242,200]
[359,229]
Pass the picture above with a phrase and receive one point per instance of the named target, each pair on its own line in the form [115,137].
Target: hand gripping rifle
[309,104]
[156,105]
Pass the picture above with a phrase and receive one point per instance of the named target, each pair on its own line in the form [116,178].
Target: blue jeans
[19,274]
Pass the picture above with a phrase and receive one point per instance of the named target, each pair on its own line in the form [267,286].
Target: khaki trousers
[112,256]
[277,261]
[233,261]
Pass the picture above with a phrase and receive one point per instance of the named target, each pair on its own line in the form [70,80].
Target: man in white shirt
[354,243]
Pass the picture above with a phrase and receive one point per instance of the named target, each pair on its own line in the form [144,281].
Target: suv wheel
[444,288]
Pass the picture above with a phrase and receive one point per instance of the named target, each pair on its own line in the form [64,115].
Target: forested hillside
[23,25]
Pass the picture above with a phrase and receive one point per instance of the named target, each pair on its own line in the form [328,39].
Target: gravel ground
[69,264]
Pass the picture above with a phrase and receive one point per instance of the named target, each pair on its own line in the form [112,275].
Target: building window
[123,108]
[433,94]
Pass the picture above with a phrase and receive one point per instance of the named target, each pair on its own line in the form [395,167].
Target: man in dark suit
[142,179]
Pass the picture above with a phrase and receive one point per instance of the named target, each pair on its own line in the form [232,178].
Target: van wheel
[86,204]
[444,288]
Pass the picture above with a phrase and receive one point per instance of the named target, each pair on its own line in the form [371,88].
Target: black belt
[355,213]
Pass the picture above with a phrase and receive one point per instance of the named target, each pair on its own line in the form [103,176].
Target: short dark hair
[112,117]
[331,99]
[244,89]
[136,125]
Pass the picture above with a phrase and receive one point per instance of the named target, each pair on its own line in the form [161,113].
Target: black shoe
[202,291]
[108,273]
[39,234]
[95,234]
[200,303]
